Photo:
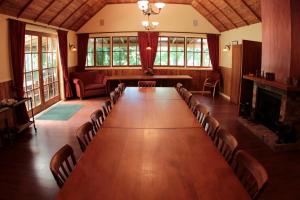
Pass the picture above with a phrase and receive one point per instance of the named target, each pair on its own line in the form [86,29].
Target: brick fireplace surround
[289,112]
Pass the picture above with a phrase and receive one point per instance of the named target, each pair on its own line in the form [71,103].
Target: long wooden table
[152,148]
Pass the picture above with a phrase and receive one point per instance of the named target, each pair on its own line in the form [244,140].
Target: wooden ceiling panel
[72,14]
[12,7]
[34,8]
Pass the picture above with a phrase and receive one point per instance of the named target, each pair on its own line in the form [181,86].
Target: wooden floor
[24,165]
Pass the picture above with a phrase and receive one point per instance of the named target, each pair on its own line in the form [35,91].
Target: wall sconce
[72,47]
[227,48]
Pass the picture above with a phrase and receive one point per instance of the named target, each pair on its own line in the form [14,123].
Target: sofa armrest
[79,87]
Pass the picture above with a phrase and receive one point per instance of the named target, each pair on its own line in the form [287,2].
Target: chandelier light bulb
[145,23]
[160,5]
[155,24]
[143,4]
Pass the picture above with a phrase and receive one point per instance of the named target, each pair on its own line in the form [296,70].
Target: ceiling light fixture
[146,7]
[149,25]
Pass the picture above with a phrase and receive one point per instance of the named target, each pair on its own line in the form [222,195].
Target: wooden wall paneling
[237,53]
[6,91]
[226,80]
[295,54]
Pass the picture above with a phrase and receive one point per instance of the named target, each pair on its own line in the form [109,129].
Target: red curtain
[63,50]
[82,43]
[213,47]
[17,48]
[148,39]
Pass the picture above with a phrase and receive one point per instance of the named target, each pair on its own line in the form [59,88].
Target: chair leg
[203,90]
[213,94]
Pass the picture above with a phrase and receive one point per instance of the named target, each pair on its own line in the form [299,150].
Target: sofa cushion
[94,86]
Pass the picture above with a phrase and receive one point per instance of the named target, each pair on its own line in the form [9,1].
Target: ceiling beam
[46,8]
[24,8]
[221,11]
[66,19]
[93,14]
[251,10]
[206,9]
[235,11]
[60,11]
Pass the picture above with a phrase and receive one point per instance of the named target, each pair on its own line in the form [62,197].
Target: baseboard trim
[200,92]
[225,96]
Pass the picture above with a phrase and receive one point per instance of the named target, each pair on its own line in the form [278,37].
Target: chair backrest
[226,144]
[85,134]
[178,86]
[187,96]
[250,172]
[97,118]
[122,86]
[117,92]
[201,113]
[113,97]
[182,91]
[107,107]
[211,125]
[147,83]
[62,164]
[192,104]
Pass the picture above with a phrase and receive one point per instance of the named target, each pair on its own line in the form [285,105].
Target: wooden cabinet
[246,58]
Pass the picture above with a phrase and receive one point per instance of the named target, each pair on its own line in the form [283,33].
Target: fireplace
[267,109]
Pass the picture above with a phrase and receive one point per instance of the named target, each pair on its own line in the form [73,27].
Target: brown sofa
[89,83]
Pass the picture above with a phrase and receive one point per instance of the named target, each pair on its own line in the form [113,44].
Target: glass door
[41,80]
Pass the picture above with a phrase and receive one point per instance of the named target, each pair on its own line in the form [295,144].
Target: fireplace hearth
[274,114]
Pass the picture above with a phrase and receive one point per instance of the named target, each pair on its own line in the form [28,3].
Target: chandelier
[147,10]
[146,7]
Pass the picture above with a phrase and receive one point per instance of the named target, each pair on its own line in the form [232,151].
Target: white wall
[5,67]
[127,17]
[252,32]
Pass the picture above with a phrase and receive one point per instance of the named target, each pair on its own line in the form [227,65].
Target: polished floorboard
[24,165]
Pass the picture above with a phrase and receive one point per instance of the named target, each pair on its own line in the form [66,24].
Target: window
[123,51]
[90,52]
[31,72]
[41,81]
[176,51]
[134,52]
[197,52]
[162,54]
[103,51]
[49,64]
[120,51]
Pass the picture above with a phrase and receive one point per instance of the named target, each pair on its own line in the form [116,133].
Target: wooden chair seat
[61,165]
[147,83]
[107,107]
[192,104]
[97,118]
[85,134]
[226,144]
[250,172]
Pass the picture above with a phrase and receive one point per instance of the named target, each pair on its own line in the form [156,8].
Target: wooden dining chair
[61,165]
[182,91]
[113,97]
[122,86]
[201,113]
[97,118]
[250,172]
[226,144]
[85,134]
[192,104]
[178,86]
[147,83]
[107,107]
[117,92]
[211,125]
[187,97]
[212,82]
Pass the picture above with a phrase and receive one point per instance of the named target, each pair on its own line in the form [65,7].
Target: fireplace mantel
[275,84]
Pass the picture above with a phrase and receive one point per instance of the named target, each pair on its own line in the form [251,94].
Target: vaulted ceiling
[73,14]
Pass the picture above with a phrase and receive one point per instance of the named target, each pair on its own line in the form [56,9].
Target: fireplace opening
[267,108]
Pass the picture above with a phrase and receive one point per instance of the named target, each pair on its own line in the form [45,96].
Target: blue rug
[61,112]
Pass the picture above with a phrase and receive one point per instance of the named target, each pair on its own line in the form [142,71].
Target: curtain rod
[157,31]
